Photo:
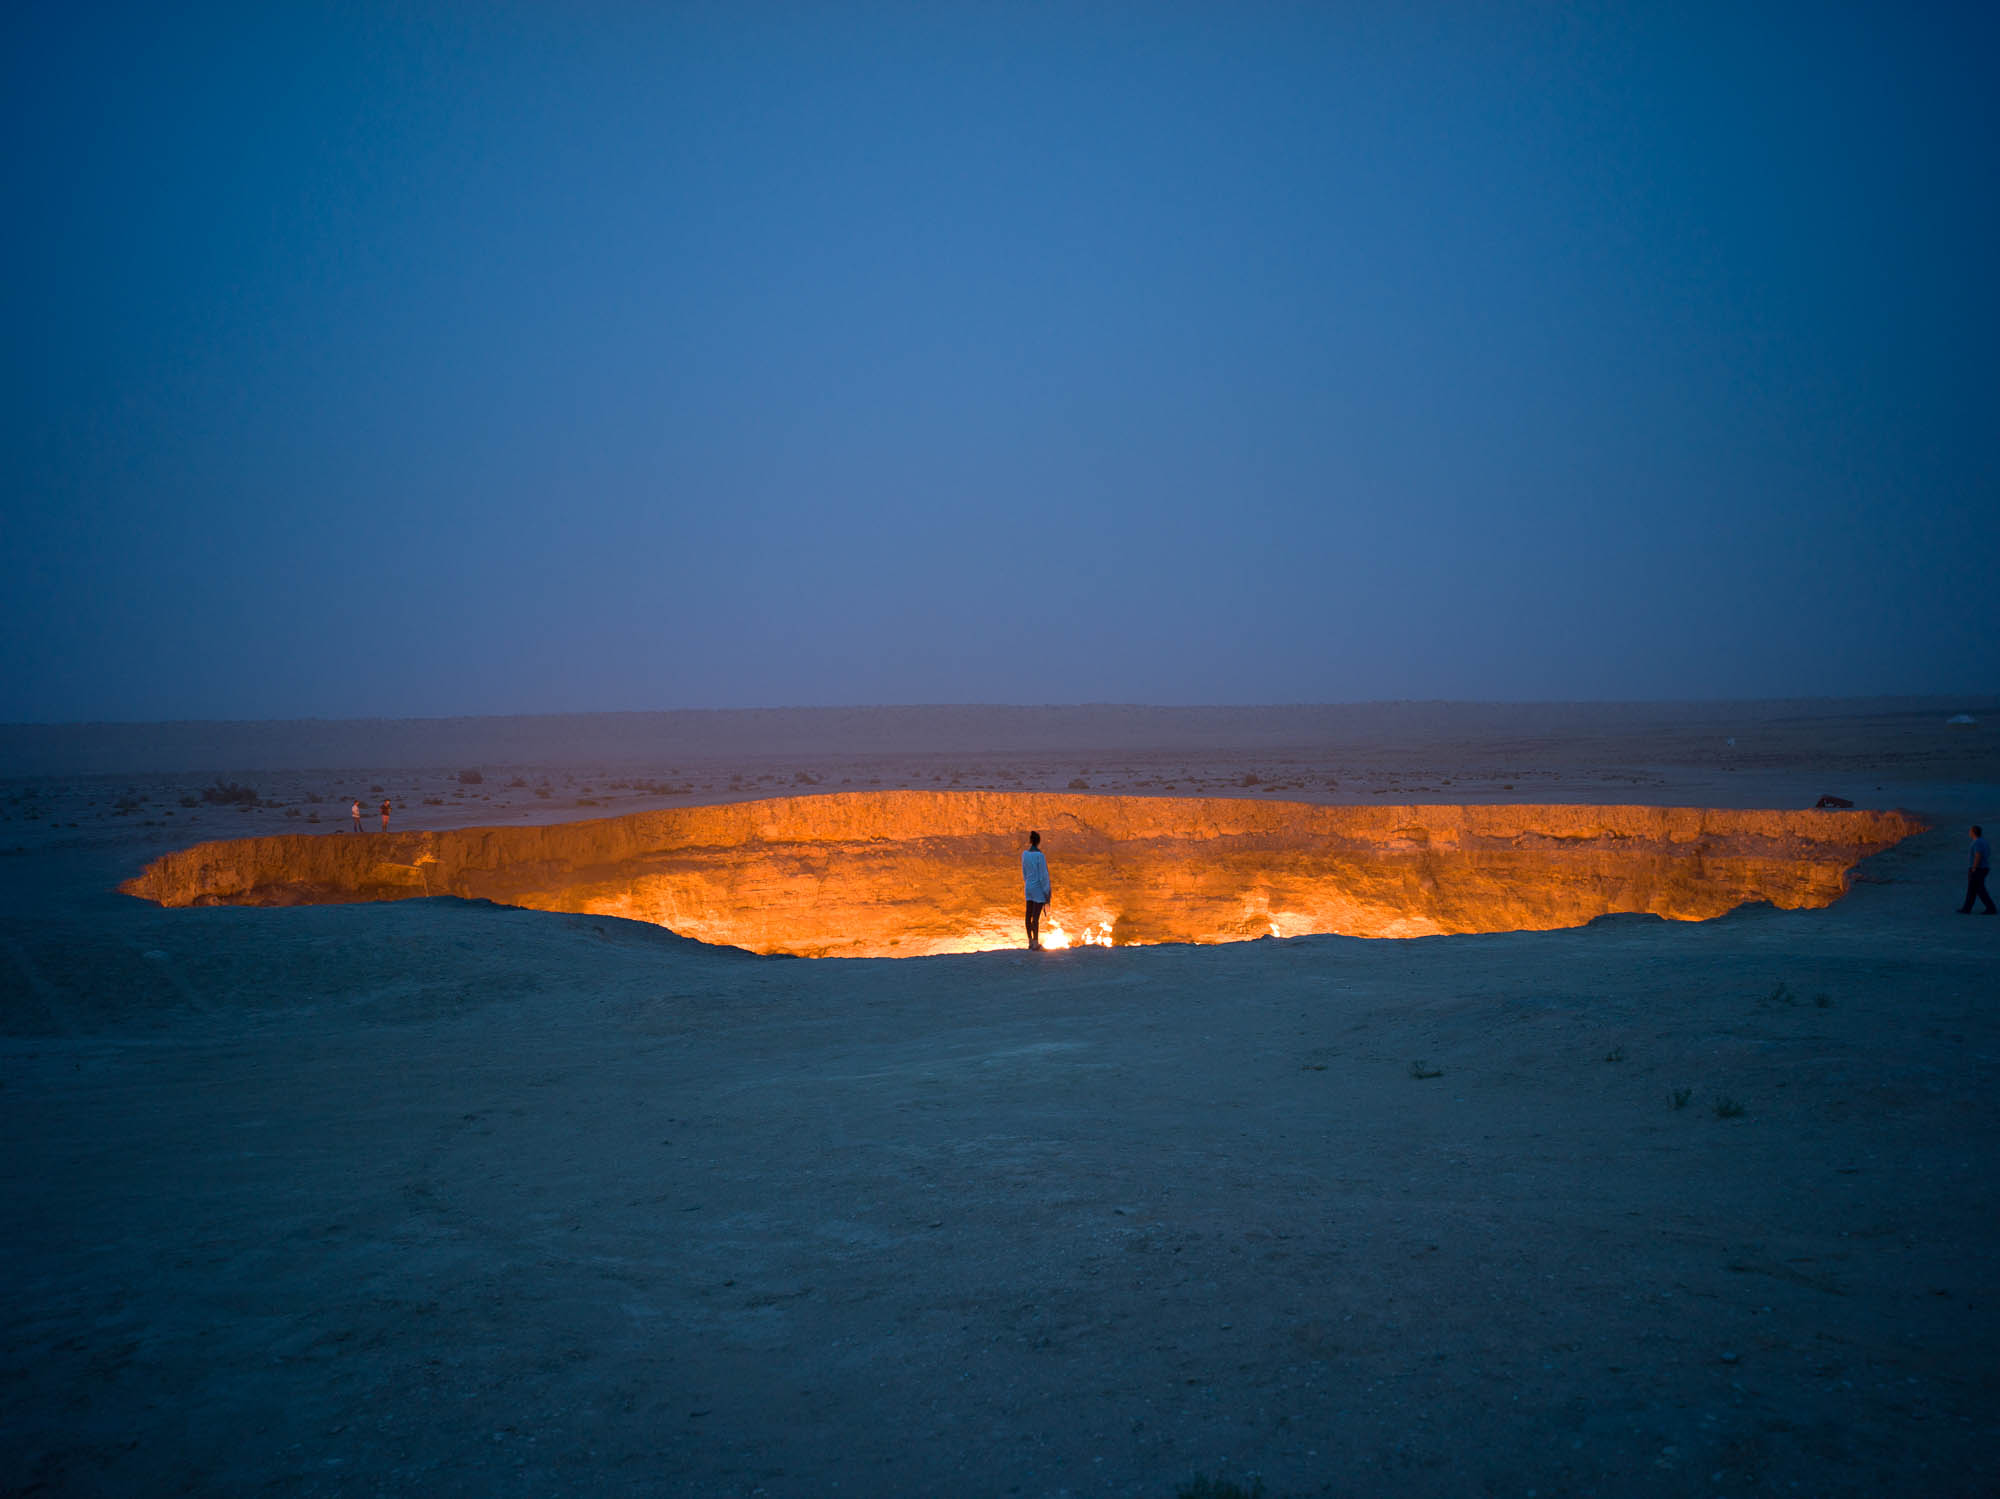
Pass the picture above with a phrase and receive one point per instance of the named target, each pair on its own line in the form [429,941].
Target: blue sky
[368,361]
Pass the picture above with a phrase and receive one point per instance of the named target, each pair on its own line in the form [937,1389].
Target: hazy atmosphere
[999,751]
[363,361]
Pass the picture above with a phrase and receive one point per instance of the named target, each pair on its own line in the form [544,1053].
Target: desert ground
[443,1197]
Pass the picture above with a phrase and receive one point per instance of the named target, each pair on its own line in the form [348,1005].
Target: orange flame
[1097,934]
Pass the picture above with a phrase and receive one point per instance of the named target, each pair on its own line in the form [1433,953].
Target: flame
[1095,935]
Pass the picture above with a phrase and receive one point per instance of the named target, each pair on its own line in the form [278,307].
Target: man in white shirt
[1035,877]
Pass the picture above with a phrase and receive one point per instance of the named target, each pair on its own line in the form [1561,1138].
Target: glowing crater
[909,873]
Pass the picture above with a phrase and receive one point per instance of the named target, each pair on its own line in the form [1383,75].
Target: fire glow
[911,873]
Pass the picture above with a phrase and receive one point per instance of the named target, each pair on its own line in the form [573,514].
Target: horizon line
[1987,699]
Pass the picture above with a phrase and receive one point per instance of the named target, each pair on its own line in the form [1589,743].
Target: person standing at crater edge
[1035,878]
[1976,872]
[356,810]
[385,814]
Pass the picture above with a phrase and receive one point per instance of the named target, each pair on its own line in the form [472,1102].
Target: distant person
[385,814]
[356,810]
[1035,877]
[1976,872]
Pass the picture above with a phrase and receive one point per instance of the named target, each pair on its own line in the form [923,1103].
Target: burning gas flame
[1096,935]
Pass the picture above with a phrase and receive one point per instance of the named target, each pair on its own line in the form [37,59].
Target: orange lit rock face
[906,873]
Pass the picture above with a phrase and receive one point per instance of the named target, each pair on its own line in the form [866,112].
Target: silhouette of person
[1035,878]
[356,810]
[1975,874]
[385,814]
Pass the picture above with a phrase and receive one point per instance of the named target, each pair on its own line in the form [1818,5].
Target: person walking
[385,814]
[1035,879]
[356,810]
[1976,872]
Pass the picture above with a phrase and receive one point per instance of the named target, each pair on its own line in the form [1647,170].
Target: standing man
[356,810]
[1035,877]
[1976,872]
[385,814]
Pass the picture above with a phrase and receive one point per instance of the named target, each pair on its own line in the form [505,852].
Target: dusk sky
[439,359]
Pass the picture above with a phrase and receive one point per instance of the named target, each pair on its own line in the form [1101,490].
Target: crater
[914,873]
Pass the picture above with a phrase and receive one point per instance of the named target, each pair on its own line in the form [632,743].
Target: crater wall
[905,873]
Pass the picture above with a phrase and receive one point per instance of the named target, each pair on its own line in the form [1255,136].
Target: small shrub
[190,801]
[587,801]
[1251,778]
[1728,1108]
[1422,1070]
[518,781]
[1821,1001]
[1782,995]
[1078,783]
[805,778]
[1681,1097]
[1616,1054]
[291,811]
[433,801]
[374,788]
[229,794]
[125,806]
[470,778]
[544,792]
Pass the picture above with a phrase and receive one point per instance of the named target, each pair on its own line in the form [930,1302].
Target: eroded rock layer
[904,873]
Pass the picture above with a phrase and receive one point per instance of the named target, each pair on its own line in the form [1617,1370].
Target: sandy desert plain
[445,1197]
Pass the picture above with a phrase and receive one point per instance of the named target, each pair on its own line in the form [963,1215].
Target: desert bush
[1251,778]
[518,781]
[1421,1070]
[470,778]
[1078,784]
[190,800]
[1728,1108]
[544,792]
[229,794]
